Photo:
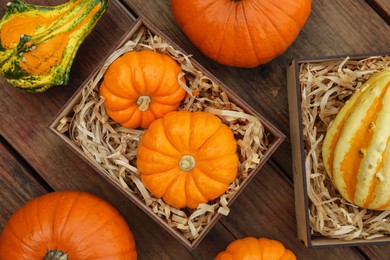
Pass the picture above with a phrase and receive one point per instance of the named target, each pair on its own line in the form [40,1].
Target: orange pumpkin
[187,158]
[256,249]
[67,225]
[140,87]
[241,33]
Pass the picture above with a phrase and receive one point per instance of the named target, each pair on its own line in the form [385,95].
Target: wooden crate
[300,151]
[274,136]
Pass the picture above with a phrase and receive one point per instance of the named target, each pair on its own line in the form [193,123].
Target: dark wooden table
[33,161]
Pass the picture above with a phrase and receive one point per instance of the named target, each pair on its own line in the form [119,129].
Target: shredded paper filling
[114,147]
[325,87]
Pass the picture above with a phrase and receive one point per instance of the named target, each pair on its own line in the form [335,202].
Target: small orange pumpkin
[241,33]
[256,248]
[140,87]
[187,158]
[67,225]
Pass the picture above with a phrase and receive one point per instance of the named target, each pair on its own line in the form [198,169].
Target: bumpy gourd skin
[38,43]
[356,151]
[187,158]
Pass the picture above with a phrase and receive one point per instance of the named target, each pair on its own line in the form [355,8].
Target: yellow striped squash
[356,151]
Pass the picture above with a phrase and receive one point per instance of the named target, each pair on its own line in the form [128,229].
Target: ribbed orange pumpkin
[256,249]
[67,225]
[140,87]
[356,149]
[242,33]
[187,158]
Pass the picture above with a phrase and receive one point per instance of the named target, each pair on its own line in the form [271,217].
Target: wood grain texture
[263,198]
[266,207]
[332,29]
[63,170]
[382,7]
[17,186]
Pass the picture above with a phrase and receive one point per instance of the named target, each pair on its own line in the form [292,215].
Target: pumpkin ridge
[94,232]
[26,218]
[250,35]
[55,210]
[13,232]
[131,118]
[291,18]
[220,155]
[175,100]
[165,128]
[169,166]
[192,123]
[208,138]
[112,113]
[102,224]
[75,198]
[224,31]
[276,30]
[175,173]
[160,151]
[199,11]
[207,174]
[173,182]
[197,185]
[39,220]
[92,206]
[134,79]
[151,110]
[188,191]
[162,79]
[160,125]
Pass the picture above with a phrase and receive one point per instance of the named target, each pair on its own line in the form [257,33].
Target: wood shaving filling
[114,147]
[325,87]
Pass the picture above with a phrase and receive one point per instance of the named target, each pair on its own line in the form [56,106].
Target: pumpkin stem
[187,163]
[143,102]
[55,255]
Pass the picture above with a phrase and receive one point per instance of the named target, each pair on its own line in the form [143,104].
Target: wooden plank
[25,125]
[17,185]
[382,7]
[376,252]
[267,207]
[332,29]
[26,117]
[63,170]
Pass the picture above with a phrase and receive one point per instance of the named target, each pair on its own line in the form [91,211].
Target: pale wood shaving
[325,86]
[115,147]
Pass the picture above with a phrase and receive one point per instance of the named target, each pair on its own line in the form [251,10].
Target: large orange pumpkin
[67,225]
[242,33]
[139,87]
[356,151]
[187,158]
[256,249]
